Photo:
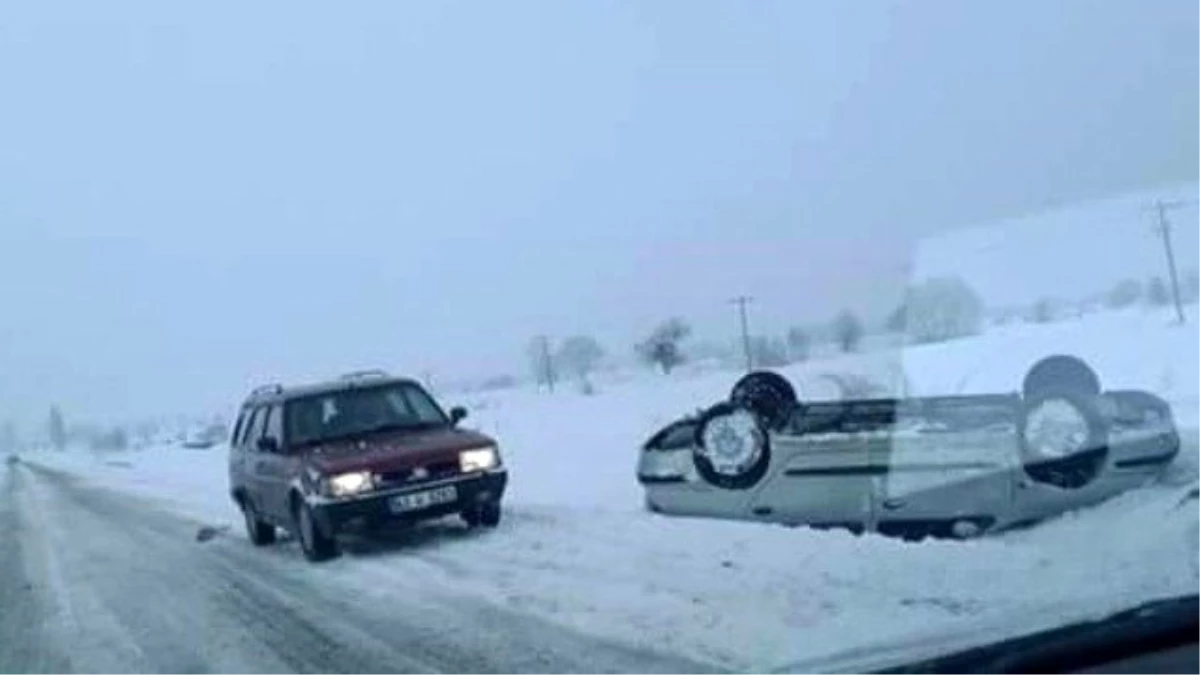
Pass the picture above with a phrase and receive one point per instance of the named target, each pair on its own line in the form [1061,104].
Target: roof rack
[275,388]
[365,374]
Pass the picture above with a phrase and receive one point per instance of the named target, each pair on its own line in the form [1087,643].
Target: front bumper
[372,510]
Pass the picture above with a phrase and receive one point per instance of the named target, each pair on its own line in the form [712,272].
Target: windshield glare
[349,412]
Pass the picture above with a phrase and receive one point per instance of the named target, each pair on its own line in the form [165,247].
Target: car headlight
[479,459]
[346,484]
[1056,429]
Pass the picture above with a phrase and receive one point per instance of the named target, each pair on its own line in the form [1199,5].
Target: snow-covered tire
[1068,470]
[768,394]
[259,532]
[733,450]
[317,547]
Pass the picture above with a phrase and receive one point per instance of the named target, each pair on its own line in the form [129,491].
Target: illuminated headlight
[479,459]
[346,484]
[1056,429]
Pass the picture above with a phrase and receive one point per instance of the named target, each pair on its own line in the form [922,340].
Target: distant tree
[799,343]
[110,439]
[1043,311]
[8,437]
[57,429]
[1124,293]
[580,354]
[541,361]
[662,347]
[847,330]
[768,352]
[938,309]
[897,320]
[1157,293]
[498,382]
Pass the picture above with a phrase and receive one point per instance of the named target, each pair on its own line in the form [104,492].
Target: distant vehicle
[200,439]
[353,454]
[953,466]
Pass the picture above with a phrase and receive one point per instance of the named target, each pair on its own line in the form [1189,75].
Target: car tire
[489,514]
[259,532]
[1060,372]
[470,517]
[768,394]
[750,475]
[317,547]
[1075,470]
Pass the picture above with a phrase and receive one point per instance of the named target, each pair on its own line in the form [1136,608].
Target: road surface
[94,580]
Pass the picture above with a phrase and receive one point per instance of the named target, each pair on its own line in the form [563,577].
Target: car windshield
[358,411]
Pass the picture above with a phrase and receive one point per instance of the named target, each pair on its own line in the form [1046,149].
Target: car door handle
[893,504]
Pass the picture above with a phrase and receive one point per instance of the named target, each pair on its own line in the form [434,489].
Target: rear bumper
[374,510]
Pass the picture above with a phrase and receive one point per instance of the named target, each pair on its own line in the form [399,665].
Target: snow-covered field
[577,547]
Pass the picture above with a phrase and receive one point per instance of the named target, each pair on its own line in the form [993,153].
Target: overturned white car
[949,466]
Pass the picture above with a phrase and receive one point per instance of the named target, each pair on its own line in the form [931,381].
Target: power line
[741,301]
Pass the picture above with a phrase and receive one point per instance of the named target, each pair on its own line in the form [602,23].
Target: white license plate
[420,500]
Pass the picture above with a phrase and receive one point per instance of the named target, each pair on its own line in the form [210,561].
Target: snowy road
[93,580]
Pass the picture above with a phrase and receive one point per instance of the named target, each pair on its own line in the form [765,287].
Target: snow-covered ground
[577,547]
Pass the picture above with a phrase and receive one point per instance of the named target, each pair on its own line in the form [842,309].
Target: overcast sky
[198,196]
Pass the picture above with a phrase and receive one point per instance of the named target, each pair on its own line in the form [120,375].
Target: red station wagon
[353,454]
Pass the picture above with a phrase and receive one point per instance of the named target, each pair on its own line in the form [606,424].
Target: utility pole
[741,301]
[547,362]
[1164,231]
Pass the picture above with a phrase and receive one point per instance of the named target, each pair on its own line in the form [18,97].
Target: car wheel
[1063,439]
[316,546]
[768,394]
[1060,373]
[489,514]
[260,533]
[470,517]
[733,450]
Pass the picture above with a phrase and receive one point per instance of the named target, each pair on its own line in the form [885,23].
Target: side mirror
[268,444]
[457,414]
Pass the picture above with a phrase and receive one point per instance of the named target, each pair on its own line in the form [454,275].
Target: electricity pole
[1164,231]
[547,361]
[741,301]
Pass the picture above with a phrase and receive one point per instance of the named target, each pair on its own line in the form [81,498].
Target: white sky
[195,198]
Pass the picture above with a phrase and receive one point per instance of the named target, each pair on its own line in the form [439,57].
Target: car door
[237,458]
[251,456]
[952,457]
[816,480]
[273,467]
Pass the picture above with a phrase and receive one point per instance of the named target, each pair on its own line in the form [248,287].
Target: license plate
[420,500]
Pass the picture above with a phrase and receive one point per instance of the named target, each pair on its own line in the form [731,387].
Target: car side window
[246,424]
[236,436]
[274,425]
[254,428]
